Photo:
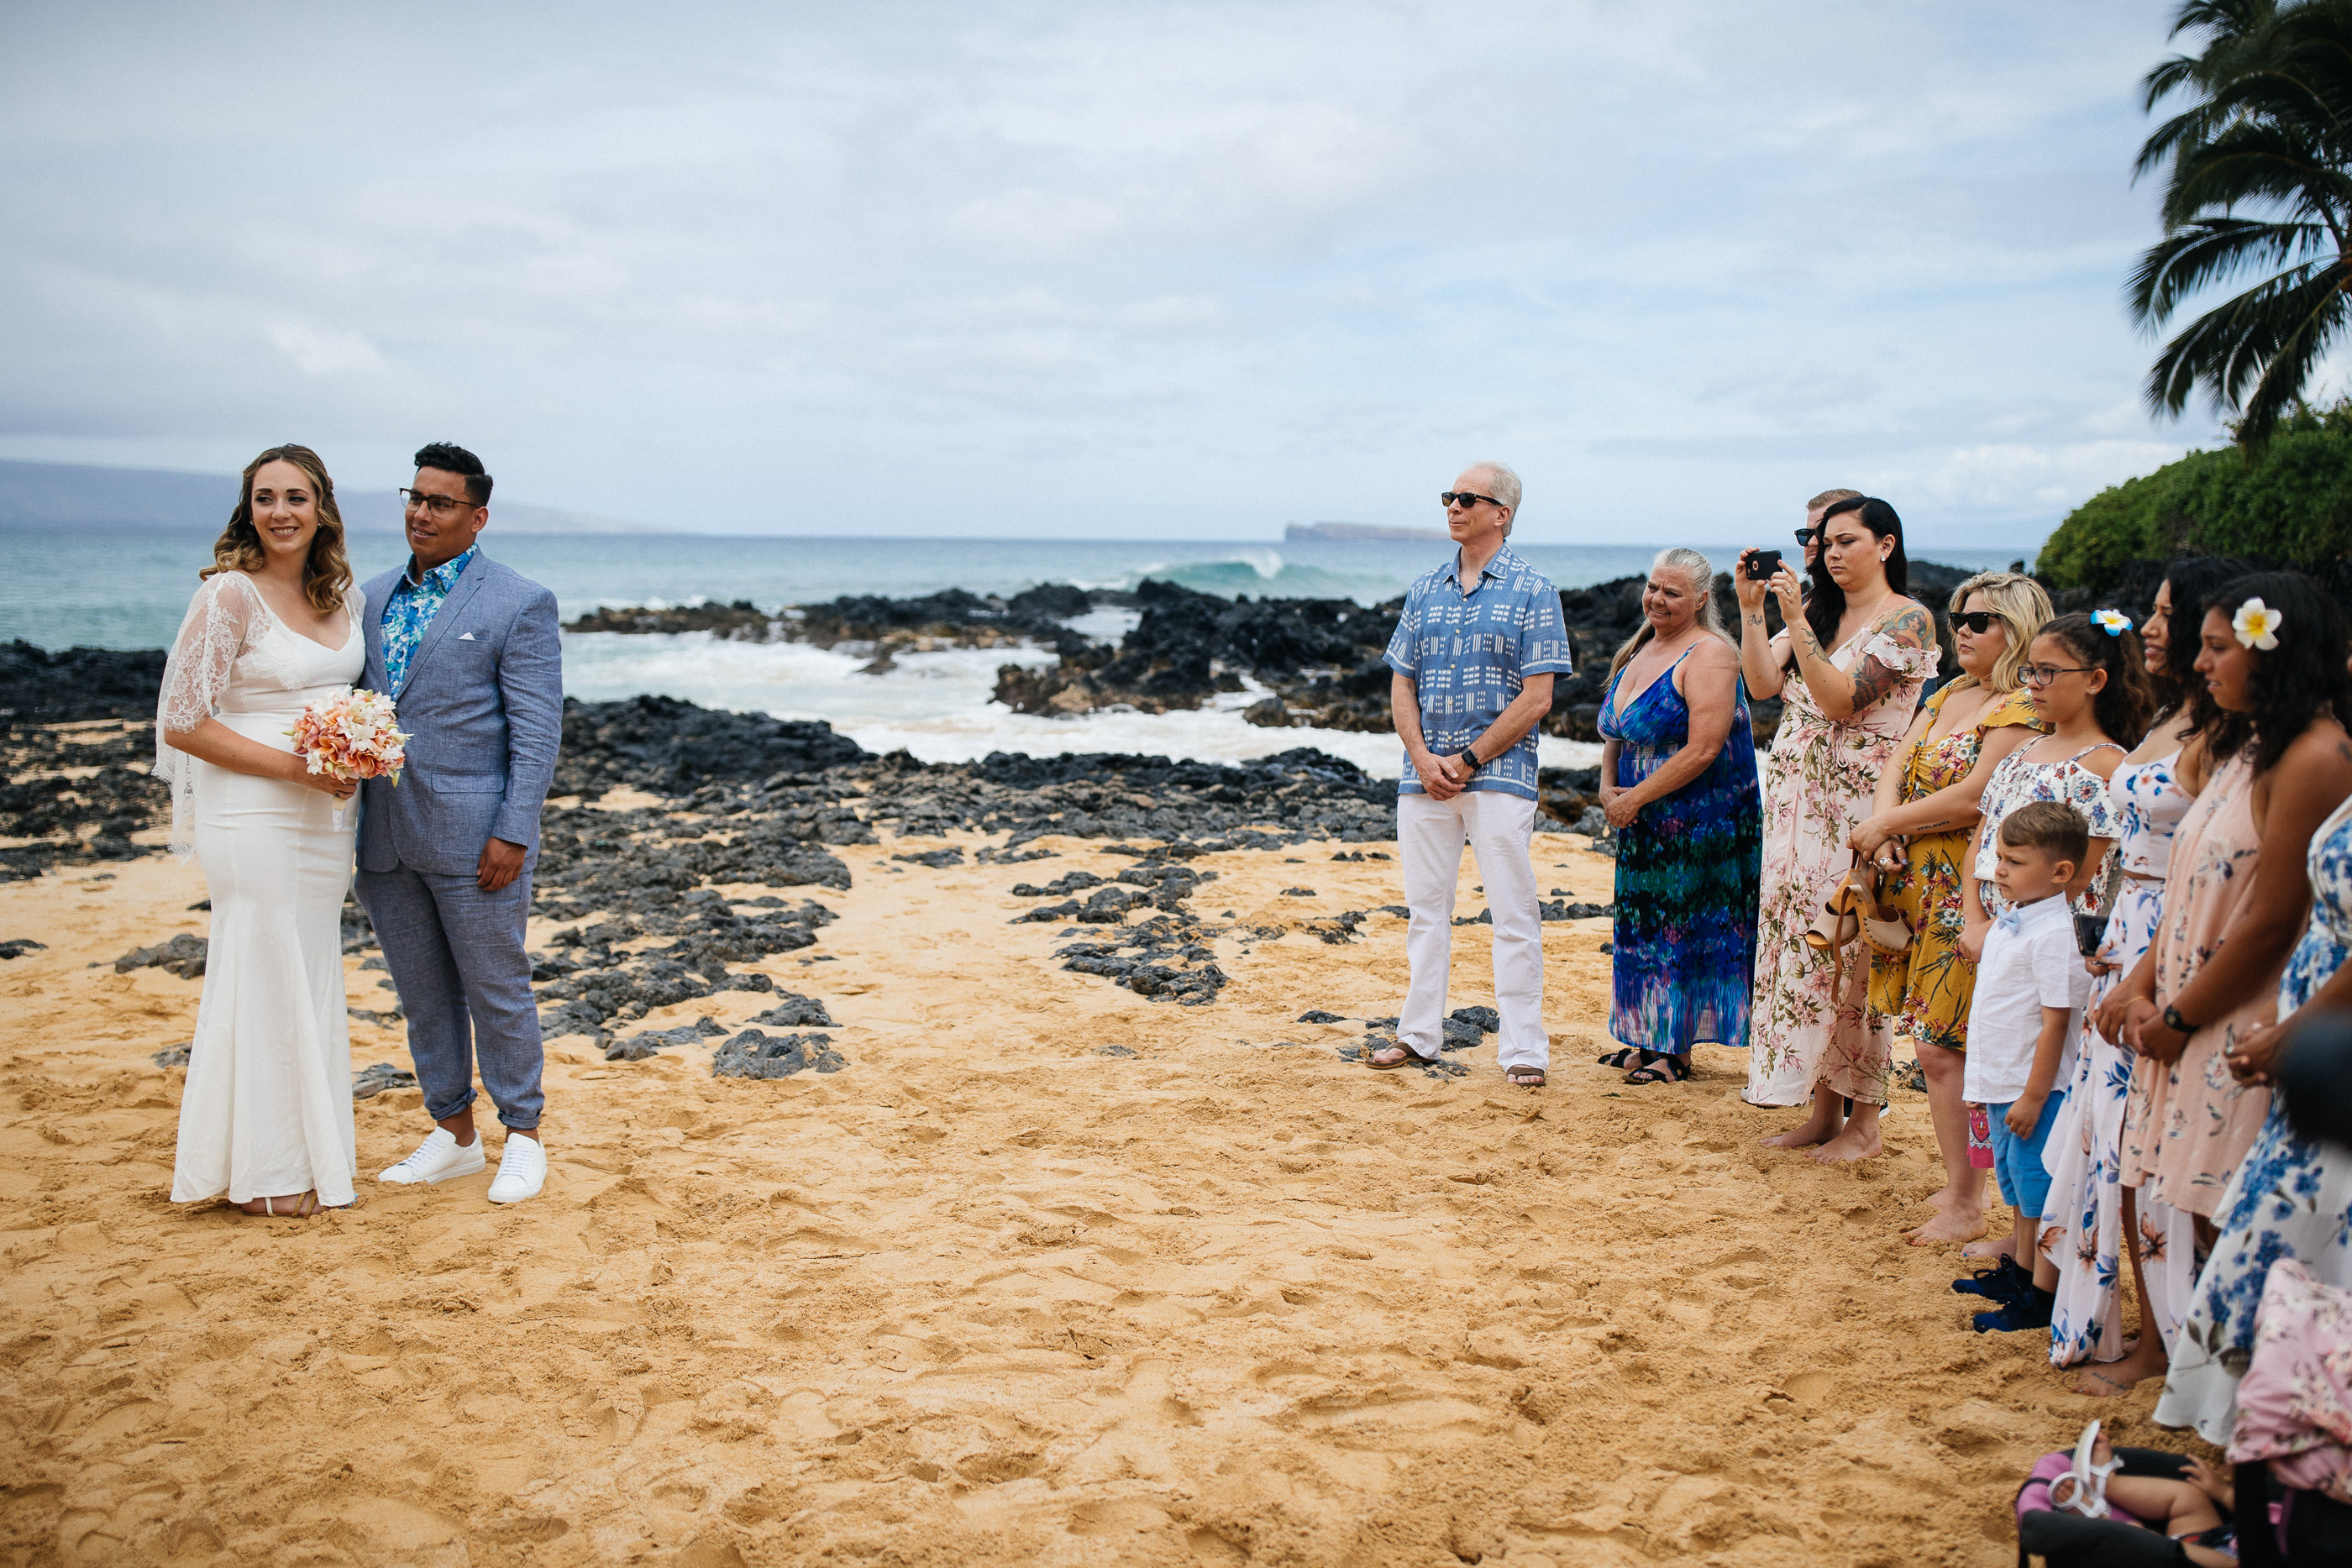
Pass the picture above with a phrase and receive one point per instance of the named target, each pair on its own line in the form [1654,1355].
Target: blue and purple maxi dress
[1687,874]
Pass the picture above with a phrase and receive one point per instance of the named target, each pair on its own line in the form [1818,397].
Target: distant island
[1353,531]
[34,495]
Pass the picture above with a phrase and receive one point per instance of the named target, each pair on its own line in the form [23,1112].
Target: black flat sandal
[1618,1059]
[1661,1068]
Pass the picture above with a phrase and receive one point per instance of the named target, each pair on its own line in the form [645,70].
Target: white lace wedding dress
[268,1107]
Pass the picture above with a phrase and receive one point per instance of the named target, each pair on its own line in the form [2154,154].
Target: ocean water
[130,589]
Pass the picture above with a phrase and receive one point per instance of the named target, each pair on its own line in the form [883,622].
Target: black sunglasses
[1805,536]
[1977,621]
[1467,497]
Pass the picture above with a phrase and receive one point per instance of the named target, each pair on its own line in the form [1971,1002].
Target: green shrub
[2293,503]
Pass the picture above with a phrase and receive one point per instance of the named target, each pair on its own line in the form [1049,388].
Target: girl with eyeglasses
[2088,684]
[1918,835]
[2197,1006]
[2091,1219]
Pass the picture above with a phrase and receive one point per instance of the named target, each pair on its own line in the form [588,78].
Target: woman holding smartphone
[1858,649]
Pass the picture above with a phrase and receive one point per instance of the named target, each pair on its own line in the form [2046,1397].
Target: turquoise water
[129,590]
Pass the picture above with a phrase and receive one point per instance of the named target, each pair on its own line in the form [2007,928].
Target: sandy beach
[1046,1272]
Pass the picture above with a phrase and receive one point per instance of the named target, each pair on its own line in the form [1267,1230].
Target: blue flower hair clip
[2114,622]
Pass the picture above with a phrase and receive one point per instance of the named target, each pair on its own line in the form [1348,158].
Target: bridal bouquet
[351,737]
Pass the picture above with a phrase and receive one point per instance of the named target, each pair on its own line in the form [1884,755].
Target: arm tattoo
[1812,644]
[1756,620]
[1872,682]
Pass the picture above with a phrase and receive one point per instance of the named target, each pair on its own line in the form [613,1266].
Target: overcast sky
[1181,270]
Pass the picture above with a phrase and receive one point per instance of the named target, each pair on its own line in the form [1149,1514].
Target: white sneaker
[522,1170]
[438,1158]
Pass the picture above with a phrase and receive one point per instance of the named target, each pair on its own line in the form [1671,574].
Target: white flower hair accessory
[2257,625]
[2114,622]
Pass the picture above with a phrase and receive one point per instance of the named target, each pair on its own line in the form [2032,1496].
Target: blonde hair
[1702,583]
[1831,499]
[326,574]
[2023,609]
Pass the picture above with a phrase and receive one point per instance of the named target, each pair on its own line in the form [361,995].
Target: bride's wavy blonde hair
[326,575]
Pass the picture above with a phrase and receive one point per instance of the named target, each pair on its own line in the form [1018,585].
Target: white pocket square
[465,636]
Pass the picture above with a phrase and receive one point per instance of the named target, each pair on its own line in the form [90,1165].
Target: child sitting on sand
[2187,1510]
[2030,989]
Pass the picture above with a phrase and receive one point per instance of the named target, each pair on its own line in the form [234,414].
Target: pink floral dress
[1809,1021]
[2188,1124]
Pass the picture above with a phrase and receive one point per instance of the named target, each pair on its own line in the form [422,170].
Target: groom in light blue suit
[468,651]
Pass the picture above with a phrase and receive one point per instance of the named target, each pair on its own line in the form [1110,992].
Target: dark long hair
[2125,704]
[2301,680]
[2195,578]
[326,571]
[1826,607]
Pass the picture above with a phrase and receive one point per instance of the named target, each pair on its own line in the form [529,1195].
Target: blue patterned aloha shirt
[1468,654]
[410,610]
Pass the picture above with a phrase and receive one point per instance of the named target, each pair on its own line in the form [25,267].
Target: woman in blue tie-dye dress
[1679,783]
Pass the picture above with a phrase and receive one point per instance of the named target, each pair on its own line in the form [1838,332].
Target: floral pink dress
[1809,1021]
[2187,1125]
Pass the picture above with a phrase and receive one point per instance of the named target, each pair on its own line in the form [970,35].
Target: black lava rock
[666,747]
[183,956]
[378,1076]
[40,688]
[637,1047]
[752,1054]
[793,1011]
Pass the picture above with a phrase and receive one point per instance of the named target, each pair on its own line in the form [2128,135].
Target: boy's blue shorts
[2024,1180]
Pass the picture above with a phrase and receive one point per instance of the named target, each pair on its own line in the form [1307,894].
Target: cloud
[1215,265]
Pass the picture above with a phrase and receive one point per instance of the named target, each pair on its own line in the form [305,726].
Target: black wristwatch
[1472,758]
[2176,1023]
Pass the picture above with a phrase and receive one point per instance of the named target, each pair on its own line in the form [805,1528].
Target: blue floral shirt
[1468,654]
[410,610]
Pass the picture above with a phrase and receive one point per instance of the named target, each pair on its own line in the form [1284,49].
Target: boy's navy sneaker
[2032,1313]
[2004,1283]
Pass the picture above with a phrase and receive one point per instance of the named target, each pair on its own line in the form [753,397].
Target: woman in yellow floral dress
[1918,831]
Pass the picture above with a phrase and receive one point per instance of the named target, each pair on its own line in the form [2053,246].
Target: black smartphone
[1763,564]
[2090,930]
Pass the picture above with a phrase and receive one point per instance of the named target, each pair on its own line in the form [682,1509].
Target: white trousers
[1430,836]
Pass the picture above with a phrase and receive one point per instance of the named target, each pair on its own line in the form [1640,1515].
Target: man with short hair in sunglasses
[467,650]
[1473,659]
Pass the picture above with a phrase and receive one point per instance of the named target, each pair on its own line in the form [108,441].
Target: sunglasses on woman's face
[1976,621]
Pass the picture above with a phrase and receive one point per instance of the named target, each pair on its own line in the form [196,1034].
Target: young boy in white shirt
[2031,986]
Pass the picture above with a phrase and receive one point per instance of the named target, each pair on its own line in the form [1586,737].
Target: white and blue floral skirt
[2083,1222]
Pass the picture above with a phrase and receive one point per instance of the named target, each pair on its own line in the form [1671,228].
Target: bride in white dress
[266,1117]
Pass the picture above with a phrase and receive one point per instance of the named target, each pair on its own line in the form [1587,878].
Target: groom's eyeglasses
[439,506]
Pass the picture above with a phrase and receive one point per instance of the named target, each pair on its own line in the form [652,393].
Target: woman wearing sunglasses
[1918,834]
[2091,1217]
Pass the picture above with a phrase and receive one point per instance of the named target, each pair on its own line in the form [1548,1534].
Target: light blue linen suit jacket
[483,708]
